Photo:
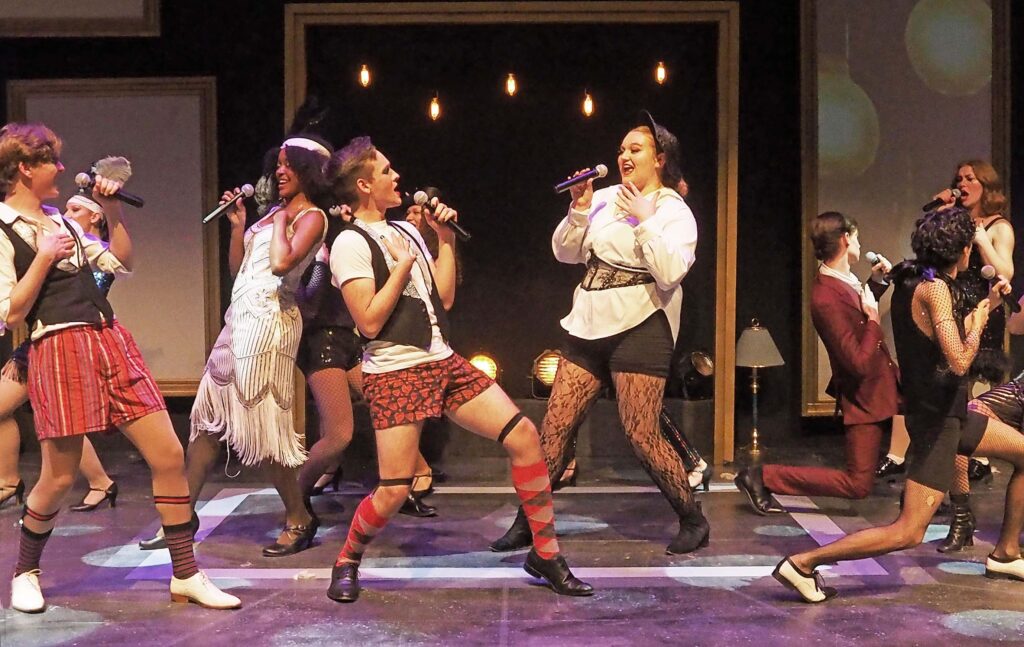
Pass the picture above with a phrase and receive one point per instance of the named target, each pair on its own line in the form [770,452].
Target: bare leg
[1002,441]
[61,457]
[156,441]
[92,470]
[13,394]
[900,440]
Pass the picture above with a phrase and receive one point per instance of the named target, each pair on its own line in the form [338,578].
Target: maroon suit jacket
[864,377]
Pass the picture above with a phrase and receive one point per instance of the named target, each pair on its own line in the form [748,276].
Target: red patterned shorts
[86,378]
[426,391]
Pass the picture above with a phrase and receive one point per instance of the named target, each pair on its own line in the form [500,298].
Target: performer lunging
[397,295]
[85,371]
[637,240]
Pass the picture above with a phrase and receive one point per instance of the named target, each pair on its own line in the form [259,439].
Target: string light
[511,87]
[660,73]
[588,104]
[364,76]
[435,109]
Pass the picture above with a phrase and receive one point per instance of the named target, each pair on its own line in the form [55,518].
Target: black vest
[409,323]
[65,297]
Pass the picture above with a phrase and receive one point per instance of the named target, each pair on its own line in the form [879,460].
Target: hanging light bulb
[511,86]
[435,109]
[660,73]
[588,104]
[364,76]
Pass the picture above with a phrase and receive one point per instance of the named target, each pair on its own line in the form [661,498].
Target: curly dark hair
[826,230]
[940,237]
[309,169]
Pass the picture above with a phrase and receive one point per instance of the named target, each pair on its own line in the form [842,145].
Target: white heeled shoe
[200,590]
[26,596]
[998,569]
[810,587]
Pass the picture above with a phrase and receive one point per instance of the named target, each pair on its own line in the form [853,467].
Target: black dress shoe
[888,467]
[516,537]
[321,484]
[694,533]
[344,583]
[302,538]
[750,483]
[158,542]
[109,494]
[556,573]
[416,507]
[978,471]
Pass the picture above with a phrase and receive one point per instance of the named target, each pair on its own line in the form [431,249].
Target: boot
[961,525]
[516,537]
[694,533]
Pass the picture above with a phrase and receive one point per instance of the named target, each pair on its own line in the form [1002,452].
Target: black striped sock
[30,549]
[179,543]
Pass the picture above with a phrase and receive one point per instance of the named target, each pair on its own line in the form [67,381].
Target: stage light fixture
[364,76]
[435,109]
[588,105]
[543,373]
[487,365]
[511,85]
[659,73]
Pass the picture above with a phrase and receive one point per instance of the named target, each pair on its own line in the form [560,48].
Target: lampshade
[756,349]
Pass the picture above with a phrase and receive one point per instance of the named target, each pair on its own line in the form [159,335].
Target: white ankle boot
[999,570]
[26,596]
[200,590]
[810,587]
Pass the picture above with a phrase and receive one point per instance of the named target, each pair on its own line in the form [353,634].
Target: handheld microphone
[423,200]
[938,202]
[989,274]
[598,171]
[872,258]
[245,192]
[86,181]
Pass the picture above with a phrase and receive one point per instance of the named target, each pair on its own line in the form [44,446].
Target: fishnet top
[934,316]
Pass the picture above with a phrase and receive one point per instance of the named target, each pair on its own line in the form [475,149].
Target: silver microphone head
[247,190]
[601,169]
[988,272]
[83,180]
[420,198]
[871,257]
[956,193]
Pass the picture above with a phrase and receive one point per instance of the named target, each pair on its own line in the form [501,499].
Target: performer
[85,371]
[397,294]
[88,214]
[935,344]
[864,378]
[245,395]
[637,240]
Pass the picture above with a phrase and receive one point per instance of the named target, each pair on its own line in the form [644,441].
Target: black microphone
[245,192]
[1012,299]
[86,181]
[938,202]
[598,171]
[423,200]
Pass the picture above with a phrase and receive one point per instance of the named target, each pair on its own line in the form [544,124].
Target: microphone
[989,274]
[421,199]
[872,258]
[598,171]
[245,192]
[938,202]
[86,181]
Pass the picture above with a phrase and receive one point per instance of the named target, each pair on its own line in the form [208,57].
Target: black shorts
[328,347]
[645,349]
[934,443]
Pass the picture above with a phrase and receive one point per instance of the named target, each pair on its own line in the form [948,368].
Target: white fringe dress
[247,390]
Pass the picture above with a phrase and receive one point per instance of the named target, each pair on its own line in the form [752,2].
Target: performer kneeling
[85,372]
[398,296]
[935,344]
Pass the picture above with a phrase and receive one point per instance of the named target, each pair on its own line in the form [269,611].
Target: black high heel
[569,476]
[335,480]
[17,493]
[706,475]
[303,539]
[110,494]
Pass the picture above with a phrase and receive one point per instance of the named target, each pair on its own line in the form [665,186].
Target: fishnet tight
[333,391]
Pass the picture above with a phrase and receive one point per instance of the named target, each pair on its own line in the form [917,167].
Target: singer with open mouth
[398,296]
[864,377]
[937,337]
[85,371]
[246,395]
[638,241]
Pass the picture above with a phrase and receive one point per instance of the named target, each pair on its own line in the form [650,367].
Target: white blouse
[663,245]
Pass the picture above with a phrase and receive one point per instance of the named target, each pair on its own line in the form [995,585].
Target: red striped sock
[366,523]
[534,489]
[179,543]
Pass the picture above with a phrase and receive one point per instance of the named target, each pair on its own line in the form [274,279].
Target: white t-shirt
[350,259]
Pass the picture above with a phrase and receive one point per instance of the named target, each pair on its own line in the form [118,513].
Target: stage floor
[433,581]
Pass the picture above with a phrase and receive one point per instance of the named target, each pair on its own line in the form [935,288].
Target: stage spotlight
[588,105]
[364,76]
[486,364]
[511,86]
[435,109]
[660,73]
[543,373]
[698,376]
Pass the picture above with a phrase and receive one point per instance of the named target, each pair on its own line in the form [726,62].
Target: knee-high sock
[534,490]
[179,540]
[366,523]
[30,548]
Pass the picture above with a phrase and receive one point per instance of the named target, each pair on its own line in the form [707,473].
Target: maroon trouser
[862,445]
